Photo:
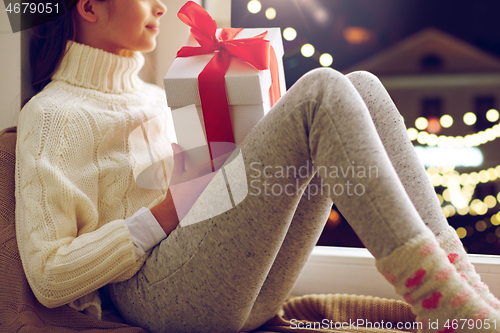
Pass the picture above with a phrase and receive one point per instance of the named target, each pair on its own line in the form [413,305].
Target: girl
[83,223]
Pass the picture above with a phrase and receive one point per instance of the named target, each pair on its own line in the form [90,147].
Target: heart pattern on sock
[482,314]
[444,274]
[427,278]
[461,298]
[416,279]
[495,303]
[433,301]
[449,241]
[452,257]
[428,249]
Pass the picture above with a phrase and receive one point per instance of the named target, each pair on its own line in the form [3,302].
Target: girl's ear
[86,11]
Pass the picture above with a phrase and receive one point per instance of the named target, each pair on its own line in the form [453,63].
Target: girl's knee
[323,80]
[362,76]
[323,74]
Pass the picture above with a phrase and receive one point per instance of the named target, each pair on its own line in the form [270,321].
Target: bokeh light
[307,50]
[433,125]
[497,219]
[333,220]
[289,34]
[412,133]
[422,137]
[357,35]
[421,123]
[492,115]
[461,232]
[480,226]
[432,140]
[494,220]
[470,118]
[446,121]
[271,13]
[451,209]
[254,6]
[490,201]
[326,59]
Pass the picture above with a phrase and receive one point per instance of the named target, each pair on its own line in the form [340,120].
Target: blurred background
[440,62]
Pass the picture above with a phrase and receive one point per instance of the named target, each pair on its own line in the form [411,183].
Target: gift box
[247,89]
[246,86]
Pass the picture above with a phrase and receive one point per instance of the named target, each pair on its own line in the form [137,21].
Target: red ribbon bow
[211,82]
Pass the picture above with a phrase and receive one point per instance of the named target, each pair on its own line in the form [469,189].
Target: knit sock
[451,244]
[442,300]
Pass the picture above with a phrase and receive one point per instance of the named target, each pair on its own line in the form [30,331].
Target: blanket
[342,313]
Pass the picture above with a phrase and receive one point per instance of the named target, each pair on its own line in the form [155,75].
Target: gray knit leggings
[233,271]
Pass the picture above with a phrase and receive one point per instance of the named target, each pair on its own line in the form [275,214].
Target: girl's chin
[150,48]
[145,48]
[149,44]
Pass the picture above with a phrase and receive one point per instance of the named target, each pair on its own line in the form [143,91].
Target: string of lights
[446,121]
[471,140]
[455,195]
[459,190]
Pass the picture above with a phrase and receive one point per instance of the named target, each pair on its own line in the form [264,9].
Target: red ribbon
[211,82]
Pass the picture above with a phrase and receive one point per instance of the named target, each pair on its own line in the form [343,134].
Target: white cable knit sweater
[75,182]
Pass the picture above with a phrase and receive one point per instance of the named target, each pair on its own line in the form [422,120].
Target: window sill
[342,270]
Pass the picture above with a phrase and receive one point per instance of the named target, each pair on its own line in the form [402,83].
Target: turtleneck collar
[92,68]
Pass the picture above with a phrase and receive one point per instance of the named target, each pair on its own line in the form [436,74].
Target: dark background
[475,21]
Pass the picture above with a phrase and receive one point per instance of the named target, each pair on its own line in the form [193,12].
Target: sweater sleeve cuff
[146,232]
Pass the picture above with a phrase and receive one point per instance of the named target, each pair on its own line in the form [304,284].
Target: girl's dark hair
[48,46]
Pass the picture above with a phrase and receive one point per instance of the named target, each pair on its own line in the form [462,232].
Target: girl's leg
[410,170]
[303,234]
[207,276]
[392,131]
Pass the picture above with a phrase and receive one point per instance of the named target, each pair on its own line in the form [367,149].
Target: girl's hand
[184,189]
